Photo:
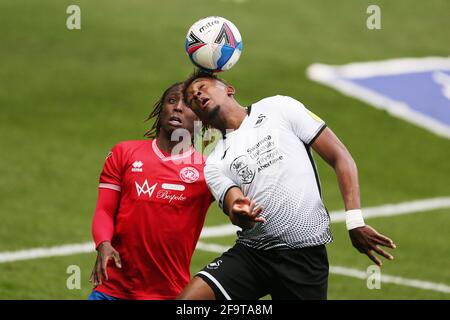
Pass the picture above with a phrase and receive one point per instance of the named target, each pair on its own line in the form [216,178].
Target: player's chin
[212,113]
[170,128]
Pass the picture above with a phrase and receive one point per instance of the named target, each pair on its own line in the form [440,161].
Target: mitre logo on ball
[214,44]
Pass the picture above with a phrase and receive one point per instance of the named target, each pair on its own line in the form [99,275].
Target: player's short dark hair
[197,74]
[153,132]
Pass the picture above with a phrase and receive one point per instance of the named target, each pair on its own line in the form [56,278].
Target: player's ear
[231,90]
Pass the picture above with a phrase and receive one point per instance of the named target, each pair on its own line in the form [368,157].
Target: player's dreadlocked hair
[153,132]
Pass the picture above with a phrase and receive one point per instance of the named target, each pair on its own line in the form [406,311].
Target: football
[214,44]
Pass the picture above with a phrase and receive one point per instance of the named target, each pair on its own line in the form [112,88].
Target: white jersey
[269,159]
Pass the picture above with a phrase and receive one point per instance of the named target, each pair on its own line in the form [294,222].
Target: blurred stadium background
[67,96]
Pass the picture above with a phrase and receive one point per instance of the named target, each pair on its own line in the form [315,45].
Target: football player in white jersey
[263,176]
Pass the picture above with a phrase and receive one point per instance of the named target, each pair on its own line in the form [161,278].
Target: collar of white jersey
[161,155]
[228,134]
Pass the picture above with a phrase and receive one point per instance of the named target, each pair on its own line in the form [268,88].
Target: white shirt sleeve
[305,124]
[217,180]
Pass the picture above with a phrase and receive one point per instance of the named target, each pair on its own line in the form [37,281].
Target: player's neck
[231,118]
[165,144]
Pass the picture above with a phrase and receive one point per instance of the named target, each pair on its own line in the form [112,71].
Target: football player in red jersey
[151,207]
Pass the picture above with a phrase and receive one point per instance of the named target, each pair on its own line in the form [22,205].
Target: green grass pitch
[67,96]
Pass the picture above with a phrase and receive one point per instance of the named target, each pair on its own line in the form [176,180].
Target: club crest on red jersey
[189,174]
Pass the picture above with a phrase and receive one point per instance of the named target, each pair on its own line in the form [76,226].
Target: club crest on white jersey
[240,167]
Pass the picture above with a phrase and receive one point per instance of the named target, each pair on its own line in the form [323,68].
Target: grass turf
[67,96]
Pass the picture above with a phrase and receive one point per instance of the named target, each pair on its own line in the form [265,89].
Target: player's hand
[244,213]
[105,252]
[367,240]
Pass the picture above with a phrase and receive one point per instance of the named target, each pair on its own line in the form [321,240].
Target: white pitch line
[337,77]
[354,273]
[229,229]
[219,231]
[36,253]
[419,284]
[387,210]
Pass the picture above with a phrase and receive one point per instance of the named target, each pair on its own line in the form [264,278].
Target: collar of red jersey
[163,157]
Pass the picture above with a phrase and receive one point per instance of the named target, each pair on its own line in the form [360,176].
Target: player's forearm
[333,151]
[103,222]
[231,196]
[347,176]
[102,228]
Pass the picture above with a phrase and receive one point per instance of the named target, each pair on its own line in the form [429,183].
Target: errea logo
[137,166]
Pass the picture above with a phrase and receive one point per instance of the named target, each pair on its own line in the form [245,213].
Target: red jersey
[162,208]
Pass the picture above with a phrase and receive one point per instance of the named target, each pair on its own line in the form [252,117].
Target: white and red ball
[214,44]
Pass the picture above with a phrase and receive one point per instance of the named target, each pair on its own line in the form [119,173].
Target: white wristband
[354,219]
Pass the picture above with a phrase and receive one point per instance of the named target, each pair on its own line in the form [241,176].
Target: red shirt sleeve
[103,222]
[111,176]
[108,196]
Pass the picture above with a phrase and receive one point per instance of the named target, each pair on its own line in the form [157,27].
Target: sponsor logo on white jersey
[189,174]
[145,189]
[137,166]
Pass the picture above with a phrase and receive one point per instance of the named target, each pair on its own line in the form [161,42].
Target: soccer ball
[214,44]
